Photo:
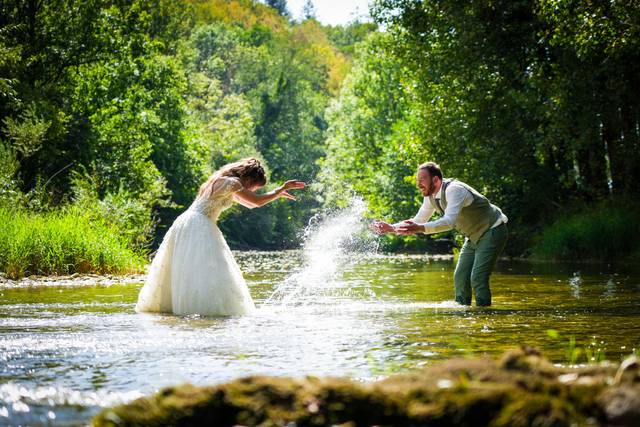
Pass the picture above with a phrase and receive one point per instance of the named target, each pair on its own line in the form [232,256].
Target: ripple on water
[23,405]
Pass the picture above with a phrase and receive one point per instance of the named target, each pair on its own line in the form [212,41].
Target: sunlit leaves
[246,13]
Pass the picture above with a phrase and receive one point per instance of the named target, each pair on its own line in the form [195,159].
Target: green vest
[474,220]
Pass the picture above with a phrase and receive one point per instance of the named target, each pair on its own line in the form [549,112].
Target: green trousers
[475,263]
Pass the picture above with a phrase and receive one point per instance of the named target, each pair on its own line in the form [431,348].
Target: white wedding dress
[194,271]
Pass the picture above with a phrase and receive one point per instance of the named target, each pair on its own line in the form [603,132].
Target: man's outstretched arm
[457,197]
[423,215]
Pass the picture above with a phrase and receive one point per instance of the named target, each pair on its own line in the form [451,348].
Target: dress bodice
[219,199]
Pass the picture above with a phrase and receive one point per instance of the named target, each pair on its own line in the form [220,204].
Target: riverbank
[522,388]
[244,257]
[70,280]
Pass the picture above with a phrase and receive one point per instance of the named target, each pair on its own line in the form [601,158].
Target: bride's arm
[249,199]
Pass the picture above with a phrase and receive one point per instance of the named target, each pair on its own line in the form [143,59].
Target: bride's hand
[287,195]
[292,184]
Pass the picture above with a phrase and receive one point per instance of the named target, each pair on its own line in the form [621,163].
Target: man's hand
[381,227]
[409,227]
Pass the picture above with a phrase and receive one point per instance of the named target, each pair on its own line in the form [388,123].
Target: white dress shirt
[458,197]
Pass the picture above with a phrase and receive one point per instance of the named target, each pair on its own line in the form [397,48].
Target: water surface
[65,351]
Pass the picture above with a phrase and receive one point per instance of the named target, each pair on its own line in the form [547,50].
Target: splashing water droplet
[333,240]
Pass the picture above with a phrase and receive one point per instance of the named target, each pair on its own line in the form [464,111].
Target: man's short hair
[432,168]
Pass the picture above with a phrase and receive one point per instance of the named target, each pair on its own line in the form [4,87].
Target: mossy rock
[520,389]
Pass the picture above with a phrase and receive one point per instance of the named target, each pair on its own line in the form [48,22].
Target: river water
[336,307]
[66,351]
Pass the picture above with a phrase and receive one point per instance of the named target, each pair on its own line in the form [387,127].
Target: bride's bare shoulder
[226,184]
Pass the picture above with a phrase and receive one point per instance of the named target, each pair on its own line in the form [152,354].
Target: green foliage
[605,231]
[369,120]
[513,97]
[122,210]
[309,10]
[531,102]
[474,113]
[262,97]
[347,37]
[62,242]
[146,97]
[371,148]
[125,108]
[9,191]
[27,132]
[92,88]
[222,116]
[136,115]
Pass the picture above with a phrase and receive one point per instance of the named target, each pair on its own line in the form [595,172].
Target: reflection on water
[66,351]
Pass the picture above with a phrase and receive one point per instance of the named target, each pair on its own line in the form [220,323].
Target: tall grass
[605,231]
[65,241]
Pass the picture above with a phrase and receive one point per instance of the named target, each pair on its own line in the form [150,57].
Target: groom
[469,212]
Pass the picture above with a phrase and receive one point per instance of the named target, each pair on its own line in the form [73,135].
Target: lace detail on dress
[221,198]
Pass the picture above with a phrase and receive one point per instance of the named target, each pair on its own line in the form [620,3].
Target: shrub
[64,241]
[604,231]
[132,216]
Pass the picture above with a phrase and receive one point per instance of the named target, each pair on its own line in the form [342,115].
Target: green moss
[536,410]
[521,389]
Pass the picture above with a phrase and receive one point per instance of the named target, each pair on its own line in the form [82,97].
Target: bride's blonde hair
[249,171]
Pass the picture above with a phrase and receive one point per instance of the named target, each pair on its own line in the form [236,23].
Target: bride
[194,271]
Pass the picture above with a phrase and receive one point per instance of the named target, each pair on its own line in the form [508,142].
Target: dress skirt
[194,272]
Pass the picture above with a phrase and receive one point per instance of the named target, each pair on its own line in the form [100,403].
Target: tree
[593,75]
[128,105]
[309,10]
[280,6]
[507,94]
[50,44]
[264,97]
[369,121]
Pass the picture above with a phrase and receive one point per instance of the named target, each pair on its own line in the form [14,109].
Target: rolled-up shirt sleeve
[456,196]
[424,213]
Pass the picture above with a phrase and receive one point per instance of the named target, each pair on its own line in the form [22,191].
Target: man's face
[425,183]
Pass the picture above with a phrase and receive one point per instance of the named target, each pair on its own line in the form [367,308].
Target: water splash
[575,283]
[333,241]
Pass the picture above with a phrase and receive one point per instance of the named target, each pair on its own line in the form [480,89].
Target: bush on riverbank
[522,389]
[64,241]
[606,231]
